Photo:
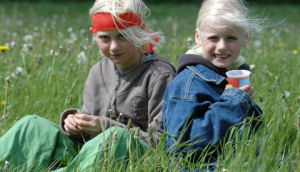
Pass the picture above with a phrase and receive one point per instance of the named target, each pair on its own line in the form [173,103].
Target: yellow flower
[295,52]
[3,48]
[3,102]
[281,44]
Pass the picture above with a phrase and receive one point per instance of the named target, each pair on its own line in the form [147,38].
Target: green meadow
[51,51]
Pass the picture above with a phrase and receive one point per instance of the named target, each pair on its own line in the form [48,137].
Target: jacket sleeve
[203,122]
[87,103]
[156,92]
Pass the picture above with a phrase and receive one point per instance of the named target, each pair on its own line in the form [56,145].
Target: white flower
[82,31]
[54,53]
[12,44]
[13,75]
[26,48]
[70,29]
[286,94]
[81,58]
[28,38]
[19,70]
[6,165]
[257,43]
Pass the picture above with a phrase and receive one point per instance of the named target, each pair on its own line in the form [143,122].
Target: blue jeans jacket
[197,109]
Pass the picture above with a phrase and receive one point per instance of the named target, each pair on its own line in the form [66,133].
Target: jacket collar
[207,74]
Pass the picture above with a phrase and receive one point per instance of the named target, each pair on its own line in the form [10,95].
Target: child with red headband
[122,100]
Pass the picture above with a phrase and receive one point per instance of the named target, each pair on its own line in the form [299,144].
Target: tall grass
[52,51]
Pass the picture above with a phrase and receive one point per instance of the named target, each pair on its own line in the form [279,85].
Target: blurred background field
[51,51]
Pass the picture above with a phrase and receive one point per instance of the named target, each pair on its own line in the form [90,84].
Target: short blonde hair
[230,12]
[136,34]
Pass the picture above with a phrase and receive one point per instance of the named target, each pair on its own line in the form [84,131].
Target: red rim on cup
[238,78]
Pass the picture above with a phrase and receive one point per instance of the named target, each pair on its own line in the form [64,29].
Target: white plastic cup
[238,78]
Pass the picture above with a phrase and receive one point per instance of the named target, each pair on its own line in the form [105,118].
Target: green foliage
[51,52]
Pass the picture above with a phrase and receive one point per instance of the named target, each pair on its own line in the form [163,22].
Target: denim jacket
[197,109]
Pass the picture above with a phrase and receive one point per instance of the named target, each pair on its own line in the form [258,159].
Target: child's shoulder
[161,65]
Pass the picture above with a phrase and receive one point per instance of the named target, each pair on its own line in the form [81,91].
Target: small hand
[90,124]
[71,126]
[248,89]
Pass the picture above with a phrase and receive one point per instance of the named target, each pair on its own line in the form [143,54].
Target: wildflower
[19,70]
[54,53]
[3,103]
[12,44]
[26,48]
[4,48]
[28,38]
[281,44]
[6,165]
[257,43]
[286,94]
[70,29]
[81,58]
[295,52]
[7,79]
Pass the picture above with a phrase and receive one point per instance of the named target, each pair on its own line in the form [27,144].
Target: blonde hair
[136,34]
[231,13]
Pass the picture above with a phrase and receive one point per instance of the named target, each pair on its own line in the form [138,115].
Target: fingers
[248,89]
[88,123]
[71,126]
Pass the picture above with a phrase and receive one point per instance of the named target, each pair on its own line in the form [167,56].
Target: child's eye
[232,38]
[103,38]
[213,38]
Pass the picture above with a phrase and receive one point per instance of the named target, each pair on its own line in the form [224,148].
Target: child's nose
[114,45]
[221,44]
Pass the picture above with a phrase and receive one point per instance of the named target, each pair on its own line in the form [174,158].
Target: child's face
[221,46]
[118,49]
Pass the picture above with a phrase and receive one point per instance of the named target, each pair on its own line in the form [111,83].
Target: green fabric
[35,142]
[113,145]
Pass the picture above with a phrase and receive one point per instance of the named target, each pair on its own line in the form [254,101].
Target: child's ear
[197,37]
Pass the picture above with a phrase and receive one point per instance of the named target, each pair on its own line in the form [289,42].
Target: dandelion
[295,52]
[70,29]
[19,70]
[26,48]
[190,40]
[6,165]
[286,94]
[3,103]
[4,48]
[81,58]
[28,38]
[12,44]
[54,53]
[257,43]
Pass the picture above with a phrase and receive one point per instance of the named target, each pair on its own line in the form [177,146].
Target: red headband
[105,21]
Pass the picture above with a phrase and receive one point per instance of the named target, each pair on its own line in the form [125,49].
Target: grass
[46,75]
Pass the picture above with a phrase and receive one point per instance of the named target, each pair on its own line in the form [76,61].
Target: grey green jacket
[136,94]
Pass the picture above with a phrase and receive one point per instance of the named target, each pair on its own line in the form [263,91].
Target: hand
[90,124]
[71,126]
[248,89]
